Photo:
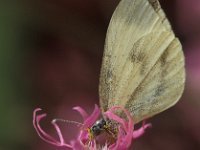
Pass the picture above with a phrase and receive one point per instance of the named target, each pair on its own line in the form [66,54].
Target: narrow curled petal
[43,135]
[81,111]
[92,118]
[88,122]
[114,117]
[125,130]
[140,131]
[77,145]
[59,133]
[83,136]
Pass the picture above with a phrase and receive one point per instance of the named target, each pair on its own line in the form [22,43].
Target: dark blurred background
[50,57]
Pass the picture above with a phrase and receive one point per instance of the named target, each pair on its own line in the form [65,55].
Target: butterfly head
[97,128]
[100,126]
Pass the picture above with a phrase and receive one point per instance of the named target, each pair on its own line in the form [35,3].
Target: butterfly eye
[102,123]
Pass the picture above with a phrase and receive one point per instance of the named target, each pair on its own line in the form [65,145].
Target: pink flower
[126,132]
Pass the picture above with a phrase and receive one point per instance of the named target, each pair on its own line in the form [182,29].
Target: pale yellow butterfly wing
[143,63]
[163,20]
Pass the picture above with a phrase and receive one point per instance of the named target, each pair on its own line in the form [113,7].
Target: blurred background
[50,57]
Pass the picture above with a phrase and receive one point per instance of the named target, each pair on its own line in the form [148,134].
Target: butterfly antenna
[67,121]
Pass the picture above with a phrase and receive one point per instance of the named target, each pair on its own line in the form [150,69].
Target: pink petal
[92,118]
[43,135]
[89,121]
[77,145]
[59,133]
[125,135]
[114,117]
[81,111]
[83,136]
[140,131]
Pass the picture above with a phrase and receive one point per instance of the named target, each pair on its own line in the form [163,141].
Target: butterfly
[143,63]
[142,74]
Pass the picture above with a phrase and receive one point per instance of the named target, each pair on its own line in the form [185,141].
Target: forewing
[138,38]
